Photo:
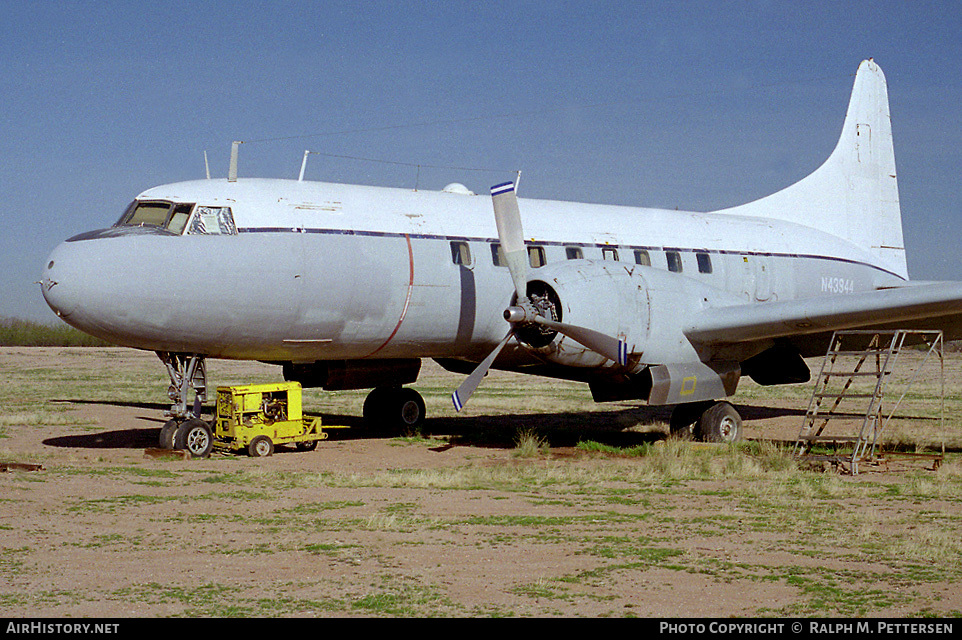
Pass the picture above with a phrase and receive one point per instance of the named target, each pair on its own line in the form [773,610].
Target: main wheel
[260,447]
[167,433]
[410,409]
[684,420]
[394,410]
[195,437]
[309,445]
[720,423]
[376,408]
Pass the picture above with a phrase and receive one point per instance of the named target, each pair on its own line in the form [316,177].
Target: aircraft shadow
[623,427]
[153,406]
[121,439]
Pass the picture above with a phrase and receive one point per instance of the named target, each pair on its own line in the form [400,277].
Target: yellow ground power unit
[256,417]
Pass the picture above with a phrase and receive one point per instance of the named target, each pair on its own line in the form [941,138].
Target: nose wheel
[193,435]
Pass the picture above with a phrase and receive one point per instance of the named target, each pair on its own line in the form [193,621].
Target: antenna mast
[232,170]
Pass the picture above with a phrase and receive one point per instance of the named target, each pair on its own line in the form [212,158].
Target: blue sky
[695,105]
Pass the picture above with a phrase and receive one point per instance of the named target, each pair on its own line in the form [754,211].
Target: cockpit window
[160,214]
[178,219]
[212,221]
[153,214]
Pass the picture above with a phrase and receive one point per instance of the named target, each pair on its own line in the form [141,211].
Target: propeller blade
[463,392]
[612,348]
[510,234]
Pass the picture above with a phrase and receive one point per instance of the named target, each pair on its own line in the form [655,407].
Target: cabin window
[574,253]
[461,253]
[642,258]
[497,255]
[536,257]
[609,253]
[674,261]
[704,262]
[212,221]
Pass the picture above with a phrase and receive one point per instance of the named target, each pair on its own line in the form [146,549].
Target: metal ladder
[844,376]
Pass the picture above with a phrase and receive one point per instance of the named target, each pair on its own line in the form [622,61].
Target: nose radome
[57,285]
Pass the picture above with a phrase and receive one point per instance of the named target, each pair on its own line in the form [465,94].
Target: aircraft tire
[684,420]
[309,445]
[195,437]
[375,408]
[167,433]
[260,447]
[720,423]
[410,409]
[394,410]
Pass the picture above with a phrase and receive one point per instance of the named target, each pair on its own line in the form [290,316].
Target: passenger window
[704,262]
[497,255]
[674,261]
[642,258]
[461,253]
[536,257]
[574,253]
[212,221]
[609,253]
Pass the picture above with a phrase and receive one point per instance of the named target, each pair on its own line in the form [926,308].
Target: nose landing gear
[185,430]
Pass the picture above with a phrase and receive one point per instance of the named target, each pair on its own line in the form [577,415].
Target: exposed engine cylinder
[607,297]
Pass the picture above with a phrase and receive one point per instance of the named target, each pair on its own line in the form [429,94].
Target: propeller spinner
[507,215]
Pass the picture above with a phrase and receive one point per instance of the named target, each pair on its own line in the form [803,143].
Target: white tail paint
[854,195]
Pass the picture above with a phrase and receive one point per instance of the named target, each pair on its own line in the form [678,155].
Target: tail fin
[854,194]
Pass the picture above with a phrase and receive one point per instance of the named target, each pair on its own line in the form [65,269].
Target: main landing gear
[706,421]
[394,410]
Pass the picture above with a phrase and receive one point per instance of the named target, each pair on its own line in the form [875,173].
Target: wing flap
[939,305]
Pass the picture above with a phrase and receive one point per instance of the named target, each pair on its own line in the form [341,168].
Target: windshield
[164,215]
[178,217]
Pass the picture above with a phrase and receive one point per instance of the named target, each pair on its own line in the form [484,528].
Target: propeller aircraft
[350,287]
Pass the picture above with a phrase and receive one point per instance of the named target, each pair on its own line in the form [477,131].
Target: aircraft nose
[59,282]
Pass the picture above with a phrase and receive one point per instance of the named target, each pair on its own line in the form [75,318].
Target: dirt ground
[450,522]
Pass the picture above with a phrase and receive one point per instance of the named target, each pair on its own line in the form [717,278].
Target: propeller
[507,216]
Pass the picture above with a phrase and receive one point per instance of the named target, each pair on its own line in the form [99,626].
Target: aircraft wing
[928,306]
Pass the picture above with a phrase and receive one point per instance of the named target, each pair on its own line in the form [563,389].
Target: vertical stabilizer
[854,195]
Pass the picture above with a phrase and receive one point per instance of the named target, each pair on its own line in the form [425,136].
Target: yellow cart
[256,417]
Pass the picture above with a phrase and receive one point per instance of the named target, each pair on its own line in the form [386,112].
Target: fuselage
[317,271]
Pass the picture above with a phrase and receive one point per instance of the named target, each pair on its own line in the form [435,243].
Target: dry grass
[539,503]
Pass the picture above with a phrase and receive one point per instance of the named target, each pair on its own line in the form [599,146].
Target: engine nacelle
[604,296]
[644,306]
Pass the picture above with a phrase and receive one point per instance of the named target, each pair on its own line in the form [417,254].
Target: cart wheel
[195,437]
[260,447]
[167,434]
[310,445]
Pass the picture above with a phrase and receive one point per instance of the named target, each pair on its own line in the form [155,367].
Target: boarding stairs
[845,416]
